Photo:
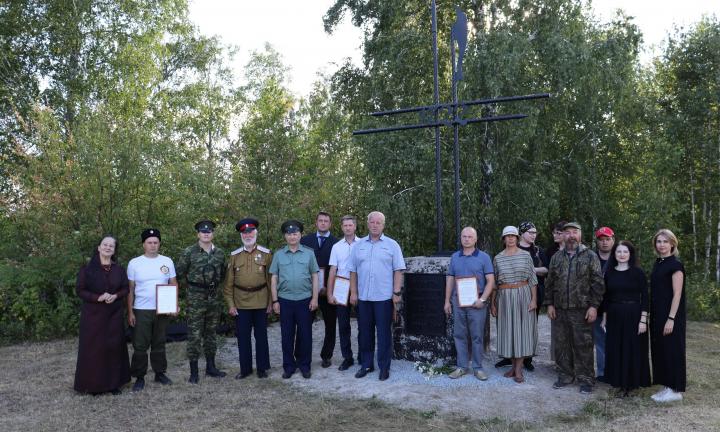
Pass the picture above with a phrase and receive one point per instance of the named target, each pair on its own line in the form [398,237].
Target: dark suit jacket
[322,255]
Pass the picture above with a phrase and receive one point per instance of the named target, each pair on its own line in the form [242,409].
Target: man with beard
[247,294]
[573,291]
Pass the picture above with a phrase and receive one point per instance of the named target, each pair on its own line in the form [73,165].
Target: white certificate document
[341,291]
[467,291]
[321,278]
[167,299]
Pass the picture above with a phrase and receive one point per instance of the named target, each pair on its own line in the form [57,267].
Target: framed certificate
[467,291]
[341,292]
[321,278]
[166,299]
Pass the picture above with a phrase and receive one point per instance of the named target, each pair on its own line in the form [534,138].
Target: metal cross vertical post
[438,164]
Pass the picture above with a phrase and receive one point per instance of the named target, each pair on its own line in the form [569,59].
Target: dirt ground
[36,394]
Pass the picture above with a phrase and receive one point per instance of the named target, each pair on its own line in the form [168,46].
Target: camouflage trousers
[203,317]
[572,339]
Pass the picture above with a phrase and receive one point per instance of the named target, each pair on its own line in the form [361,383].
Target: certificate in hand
[341,292]
[167,299]
[467,291]
[321,278]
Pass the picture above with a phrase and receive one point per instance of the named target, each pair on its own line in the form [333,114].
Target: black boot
[210,368]
[193,372]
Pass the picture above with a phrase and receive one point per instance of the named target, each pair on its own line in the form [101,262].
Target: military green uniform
[574,284]
[203,272]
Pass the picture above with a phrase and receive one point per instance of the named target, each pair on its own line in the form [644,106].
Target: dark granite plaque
[424,300]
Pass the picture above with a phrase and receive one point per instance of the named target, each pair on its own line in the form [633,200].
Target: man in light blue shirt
[376,273]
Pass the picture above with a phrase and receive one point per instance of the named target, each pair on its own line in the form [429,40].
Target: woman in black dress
[102,363]
[625,320]
[667,318]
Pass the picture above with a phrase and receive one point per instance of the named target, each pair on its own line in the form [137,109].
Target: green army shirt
[294,271]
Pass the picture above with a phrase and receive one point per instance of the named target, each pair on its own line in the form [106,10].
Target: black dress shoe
[503,362]
[346,364]
[262,374]
[362,372]
[243,375]
[287,375]
[326,363]
[528,364]
[306,374]
[139,384]
[384,374]
[162,379]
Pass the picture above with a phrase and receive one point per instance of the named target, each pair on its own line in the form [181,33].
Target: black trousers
[329,313]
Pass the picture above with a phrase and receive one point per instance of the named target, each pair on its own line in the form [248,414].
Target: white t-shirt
[146,273]
[340,255]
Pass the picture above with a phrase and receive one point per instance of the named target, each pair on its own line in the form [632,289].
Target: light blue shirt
[375,262]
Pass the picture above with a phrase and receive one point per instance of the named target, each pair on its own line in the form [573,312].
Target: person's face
[530,235]
[468,238]
[292,239]
[151,245]
[558,236]
[622,254]
[663,245]
[605,243]
[375,225]
[205,237]
[571,237]
[348,228]
[249,237]
[323,223]
[106,249]
[510,240]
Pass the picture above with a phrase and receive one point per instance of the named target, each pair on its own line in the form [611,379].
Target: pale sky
[295,29]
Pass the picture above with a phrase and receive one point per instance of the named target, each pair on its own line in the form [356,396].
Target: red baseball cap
[604,232]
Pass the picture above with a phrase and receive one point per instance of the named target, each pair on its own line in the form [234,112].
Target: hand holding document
[341,292]
[167,299]
[467,291]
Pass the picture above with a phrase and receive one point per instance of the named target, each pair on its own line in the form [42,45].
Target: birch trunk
[692,213]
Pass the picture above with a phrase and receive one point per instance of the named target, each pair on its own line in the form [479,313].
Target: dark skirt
[102,363]
[626,353]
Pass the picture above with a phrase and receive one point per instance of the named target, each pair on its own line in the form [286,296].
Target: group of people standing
[598,302]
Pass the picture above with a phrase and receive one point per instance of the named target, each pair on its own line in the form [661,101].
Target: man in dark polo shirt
[294,288]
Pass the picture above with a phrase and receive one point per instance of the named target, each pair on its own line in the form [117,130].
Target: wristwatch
[484,301]
[397,293]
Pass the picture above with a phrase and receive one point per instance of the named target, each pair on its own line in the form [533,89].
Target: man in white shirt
[339,267]
[144,274]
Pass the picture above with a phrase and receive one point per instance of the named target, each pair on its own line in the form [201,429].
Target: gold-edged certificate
[467,291]
[321,278]
[166,299]
[341,291]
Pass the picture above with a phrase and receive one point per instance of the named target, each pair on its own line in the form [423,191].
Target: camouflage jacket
[201,269]
[575,282]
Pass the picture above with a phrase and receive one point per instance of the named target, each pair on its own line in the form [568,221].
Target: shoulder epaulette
[263,249]
[237,251]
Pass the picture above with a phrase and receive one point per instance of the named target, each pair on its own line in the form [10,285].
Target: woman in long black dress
[102,363]
[625,320]
[667,318]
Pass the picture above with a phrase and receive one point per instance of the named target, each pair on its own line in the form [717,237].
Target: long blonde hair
[671,238]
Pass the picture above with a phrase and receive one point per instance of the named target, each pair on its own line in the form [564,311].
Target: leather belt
[513,285]
[251,289]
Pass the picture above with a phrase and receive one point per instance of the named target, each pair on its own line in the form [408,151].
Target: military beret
[247,225]
[572,225]
[150,232]
[205,226]
[291,226]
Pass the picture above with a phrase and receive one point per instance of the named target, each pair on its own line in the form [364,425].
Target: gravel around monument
[498,397]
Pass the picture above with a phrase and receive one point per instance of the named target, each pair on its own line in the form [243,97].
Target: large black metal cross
[430,115]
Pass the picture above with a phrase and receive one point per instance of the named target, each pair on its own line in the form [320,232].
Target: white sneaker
[670,396]
[657,396]
[457,373]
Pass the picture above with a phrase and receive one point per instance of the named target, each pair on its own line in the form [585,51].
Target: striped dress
[516,327]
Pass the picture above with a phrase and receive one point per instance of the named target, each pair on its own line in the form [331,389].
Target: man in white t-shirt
[144,273]
[339,267]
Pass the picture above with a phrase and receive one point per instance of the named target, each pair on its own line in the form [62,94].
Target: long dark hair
[95,260]
[632,262]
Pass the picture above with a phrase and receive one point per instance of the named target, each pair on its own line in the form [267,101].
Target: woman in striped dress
[514,303]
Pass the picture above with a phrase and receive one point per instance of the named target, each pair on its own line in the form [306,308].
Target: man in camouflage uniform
[573,291]
[202,266]
[247,294]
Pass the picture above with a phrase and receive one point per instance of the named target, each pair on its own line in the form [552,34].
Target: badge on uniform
[165,269]
[258,259]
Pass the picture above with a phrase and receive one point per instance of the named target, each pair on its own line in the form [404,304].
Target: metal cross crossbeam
[430,115]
